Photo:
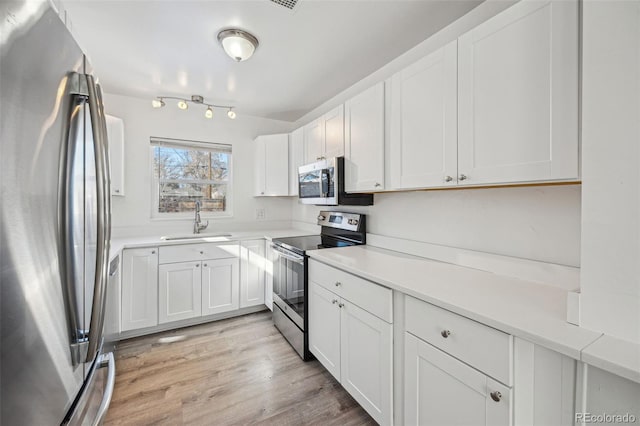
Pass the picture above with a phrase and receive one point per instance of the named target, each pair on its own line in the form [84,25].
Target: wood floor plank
[237,371]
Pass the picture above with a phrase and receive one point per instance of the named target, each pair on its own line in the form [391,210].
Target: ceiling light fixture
[238,44]
[195,99]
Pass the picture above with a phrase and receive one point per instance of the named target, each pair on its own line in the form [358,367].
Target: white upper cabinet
[334,133]
[423,145]
[272,165]
[324,137]
[313,141]
[364,140]
[296,158]
[518,95]
[115,135]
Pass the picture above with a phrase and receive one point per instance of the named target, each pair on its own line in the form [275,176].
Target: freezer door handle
[106,360]
[99,127]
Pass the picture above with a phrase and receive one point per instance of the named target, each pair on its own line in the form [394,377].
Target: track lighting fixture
[195,99]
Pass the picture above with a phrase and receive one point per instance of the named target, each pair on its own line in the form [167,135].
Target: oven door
[289,284]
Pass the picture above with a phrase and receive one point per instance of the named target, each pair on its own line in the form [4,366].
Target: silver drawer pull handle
[338,283]
[445,333]
[496,396]
[448,178]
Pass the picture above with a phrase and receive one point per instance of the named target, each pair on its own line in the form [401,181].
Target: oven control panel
[340,220]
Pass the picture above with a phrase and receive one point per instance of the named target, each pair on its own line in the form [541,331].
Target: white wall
[610,275]
[132,213]
[539,223]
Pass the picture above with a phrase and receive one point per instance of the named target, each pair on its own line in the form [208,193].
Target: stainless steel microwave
[322,183]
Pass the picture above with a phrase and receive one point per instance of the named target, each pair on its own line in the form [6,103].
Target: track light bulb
[231,114]
[208,113]
[157,103]
[182,104]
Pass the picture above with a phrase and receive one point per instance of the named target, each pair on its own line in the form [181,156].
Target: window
[185,172]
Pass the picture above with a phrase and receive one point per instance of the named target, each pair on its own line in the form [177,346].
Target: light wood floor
[238,371]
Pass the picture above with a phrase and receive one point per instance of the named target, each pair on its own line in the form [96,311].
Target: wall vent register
[289,4]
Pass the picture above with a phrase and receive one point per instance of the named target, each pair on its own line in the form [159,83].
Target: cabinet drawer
[480,346]
[201,251]
[369,296]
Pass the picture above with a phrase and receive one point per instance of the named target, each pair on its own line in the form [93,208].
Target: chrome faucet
[197,223]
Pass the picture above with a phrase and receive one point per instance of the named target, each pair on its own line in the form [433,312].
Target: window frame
[194,145]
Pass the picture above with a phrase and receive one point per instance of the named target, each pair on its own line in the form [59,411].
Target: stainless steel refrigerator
[54,224]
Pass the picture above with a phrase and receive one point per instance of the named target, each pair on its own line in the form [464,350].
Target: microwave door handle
[324,182]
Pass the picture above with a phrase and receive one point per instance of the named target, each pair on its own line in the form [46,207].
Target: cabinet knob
[205,265]
[448,178]
[153,252]
[262,193]
[463,177]
[201,252]
[334,301]
[117,191]
[197,265]
[318,158]
[496,396]
[445,333]
[340,305]
[338,283]
[377,185]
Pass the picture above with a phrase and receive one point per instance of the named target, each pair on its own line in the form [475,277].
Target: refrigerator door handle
[77,90]
[108,361]
[99,127]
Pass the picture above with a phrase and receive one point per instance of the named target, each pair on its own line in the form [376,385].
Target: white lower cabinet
[352,343]
[179,292]
[220,292]
[139,288]
[440,390]
[252,273]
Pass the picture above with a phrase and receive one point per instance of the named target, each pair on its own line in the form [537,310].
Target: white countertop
[532,311]
[118,244]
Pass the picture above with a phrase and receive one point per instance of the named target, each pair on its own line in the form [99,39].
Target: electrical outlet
[260,214]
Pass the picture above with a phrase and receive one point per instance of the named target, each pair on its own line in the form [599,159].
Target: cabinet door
[423,145]
[364,141]
[115,135]
[296,158]
[334,133]
[313,141]
[324,328]
[440,390]
[276,165]
[366,361]
[220,286]
[518,95]
[179,295]
[252,273]
[259,169]
[139,288]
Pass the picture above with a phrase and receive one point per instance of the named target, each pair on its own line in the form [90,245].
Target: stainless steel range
[290,272]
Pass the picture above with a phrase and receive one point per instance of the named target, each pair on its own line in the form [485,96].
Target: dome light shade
[231,114]
[208,113]
[182,104]
[238,44]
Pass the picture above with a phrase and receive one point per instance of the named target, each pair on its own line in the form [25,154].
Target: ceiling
[169,47]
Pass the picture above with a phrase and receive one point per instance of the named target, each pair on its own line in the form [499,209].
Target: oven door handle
[292,257]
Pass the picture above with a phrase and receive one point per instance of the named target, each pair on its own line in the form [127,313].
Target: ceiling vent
[289,4]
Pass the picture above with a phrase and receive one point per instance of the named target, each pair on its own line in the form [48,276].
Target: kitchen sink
[194,237]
